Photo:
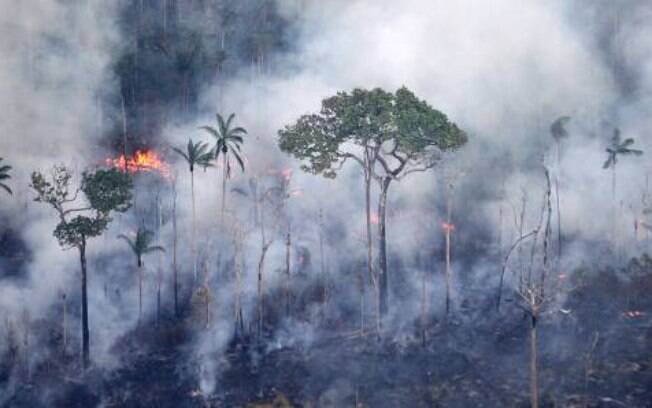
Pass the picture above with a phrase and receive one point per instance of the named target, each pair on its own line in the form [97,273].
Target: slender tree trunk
[449,227]
[424,301]
[261,282]
[85,331]
[614,223]
[64,326]
[175,282]
[140,291]
[224,178]
[261,291]
[370,259]
[383,279]
[194,227]
[288,244]
[239,323]
[559,242]
[322,263]
[534,379]
[124,134]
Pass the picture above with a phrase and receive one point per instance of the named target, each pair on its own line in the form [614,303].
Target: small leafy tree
[141,245]
[196,154]
[228,141]
[4,175]
[82,218]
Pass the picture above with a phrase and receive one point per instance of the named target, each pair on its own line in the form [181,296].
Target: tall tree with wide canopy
[196,154]
[4,175]
[141,245]
[105,192]
[390,135]
[228,141]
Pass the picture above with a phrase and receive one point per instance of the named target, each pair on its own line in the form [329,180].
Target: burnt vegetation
[208,271]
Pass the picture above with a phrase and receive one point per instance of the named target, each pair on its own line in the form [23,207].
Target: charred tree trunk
[85,331]
[383,281]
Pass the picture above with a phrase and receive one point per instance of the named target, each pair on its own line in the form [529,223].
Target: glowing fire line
[141,161]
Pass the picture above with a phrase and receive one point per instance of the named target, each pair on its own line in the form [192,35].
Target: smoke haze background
[502,70]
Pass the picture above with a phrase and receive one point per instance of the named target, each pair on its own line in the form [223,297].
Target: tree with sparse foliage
[83,217]
[196,154]
[4,175]
[228,141]
[390,135]
[141,245]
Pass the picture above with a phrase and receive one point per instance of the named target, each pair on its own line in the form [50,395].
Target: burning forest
[293,203]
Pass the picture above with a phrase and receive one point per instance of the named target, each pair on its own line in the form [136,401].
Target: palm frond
[238,159]
[6,188]
[156,248]
[210,130]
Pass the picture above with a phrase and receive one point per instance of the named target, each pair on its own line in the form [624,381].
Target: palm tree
[4,175]
[558,133]
[195,155]
[616,148]
[141,245]
[228,143]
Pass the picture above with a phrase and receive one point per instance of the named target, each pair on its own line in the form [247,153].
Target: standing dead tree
[532,289]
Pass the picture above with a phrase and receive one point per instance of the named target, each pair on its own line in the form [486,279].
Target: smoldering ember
[334,203]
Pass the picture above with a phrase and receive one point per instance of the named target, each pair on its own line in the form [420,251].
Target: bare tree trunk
[447,229]
[383,280]
[559,242]
[534,379]
[424,301]
[322,262]
[261,290]
[261,282]
[370,260]
[288,295]
[224,178]
[85,331]
[64,326]
[239,323]
[175,282]
[140,291]
[124,134]
[194,227]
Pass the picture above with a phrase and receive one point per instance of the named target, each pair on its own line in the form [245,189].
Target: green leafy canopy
[366,117]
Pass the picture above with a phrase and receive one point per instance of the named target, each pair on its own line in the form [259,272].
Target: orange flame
[142,161]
